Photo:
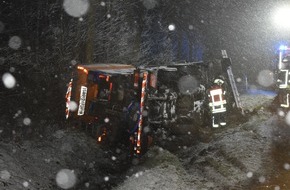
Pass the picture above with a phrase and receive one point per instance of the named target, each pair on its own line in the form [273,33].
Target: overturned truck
[118,103]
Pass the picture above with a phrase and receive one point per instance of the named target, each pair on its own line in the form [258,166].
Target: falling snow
[106,120]
[25,184]
[188,84]
[250,174]
[287,118]
[150,4]
[106,178]
[287,166]
[265,78]
[72,106]
[8,80]
[76,8]
[26,121]
[262,179]
[66,178]
[73,62]
[15,42]
[5,175]
[171,27]
[12,69]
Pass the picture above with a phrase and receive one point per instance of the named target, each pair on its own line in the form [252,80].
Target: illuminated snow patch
[286,166]
[106,178]
[150,4]
[262,179]
[8,80]
[250,174]
[26,121]
[5,175]
[171,27]
[66,178]
[2,26]
[15,42]
[265,78]
[76,8]
[73,106]
[25,184]
[287,118]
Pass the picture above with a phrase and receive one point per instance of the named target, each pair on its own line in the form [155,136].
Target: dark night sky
[243,28]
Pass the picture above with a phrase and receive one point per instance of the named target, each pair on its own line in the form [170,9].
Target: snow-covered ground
[235,157]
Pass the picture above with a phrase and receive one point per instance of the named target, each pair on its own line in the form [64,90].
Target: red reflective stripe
[111,87]
[68,97]
[143,90]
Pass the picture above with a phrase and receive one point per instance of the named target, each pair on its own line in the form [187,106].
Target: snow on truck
[122,103]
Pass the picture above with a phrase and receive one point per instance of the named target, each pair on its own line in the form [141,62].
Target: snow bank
[162,170]
[233,158]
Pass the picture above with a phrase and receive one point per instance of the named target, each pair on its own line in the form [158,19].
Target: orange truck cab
[97,96]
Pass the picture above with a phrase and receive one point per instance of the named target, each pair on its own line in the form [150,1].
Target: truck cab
[101,93]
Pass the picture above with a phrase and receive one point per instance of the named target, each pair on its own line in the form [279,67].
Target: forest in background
[40,43]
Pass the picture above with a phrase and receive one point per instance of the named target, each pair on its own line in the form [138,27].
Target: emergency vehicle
[283,79]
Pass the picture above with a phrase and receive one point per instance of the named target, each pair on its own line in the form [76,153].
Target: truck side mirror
[286,59]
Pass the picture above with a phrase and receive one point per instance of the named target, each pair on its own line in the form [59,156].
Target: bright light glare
[281,17]
[282,47]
